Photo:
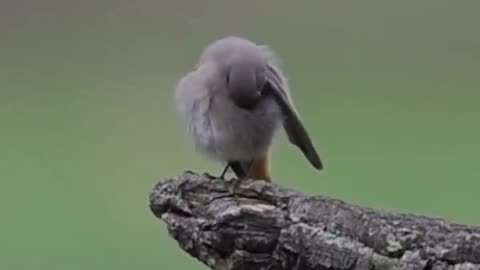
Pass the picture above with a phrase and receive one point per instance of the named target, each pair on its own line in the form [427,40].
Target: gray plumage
[234,101]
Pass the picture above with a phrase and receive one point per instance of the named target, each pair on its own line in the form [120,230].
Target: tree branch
[248,224]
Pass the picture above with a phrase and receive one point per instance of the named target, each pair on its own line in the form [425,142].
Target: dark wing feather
[296,132]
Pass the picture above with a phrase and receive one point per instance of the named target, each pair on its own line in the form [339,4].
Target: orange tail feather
[260,169]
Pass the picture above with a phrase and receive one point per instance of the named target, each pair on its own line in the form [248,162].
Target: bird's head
[244,76]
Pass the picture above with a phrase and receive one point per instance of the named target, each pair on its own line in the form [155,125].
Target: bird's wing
[297,134]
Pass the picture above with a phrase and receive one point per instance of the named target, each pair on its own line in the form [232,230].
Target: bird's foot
[236,185]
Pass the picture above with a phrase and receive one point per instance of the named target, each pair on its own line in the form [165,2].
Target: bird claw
[236,185]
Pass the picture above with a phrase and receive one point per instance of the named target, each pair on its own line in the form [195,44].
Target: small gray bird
[233,103]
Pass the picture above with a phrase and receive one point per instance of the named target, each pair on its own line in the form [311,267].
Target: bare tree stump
[248,224]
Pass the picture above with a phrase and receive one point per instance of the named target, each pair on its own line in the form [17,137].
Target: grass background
[388,90]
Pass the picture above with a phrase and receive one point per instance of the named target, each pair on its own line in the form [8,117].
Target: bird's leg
[242,174]
[222,176]
[238,169]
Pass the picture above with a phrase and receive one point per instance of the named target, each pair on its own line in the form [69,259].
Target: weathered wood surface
[247,224]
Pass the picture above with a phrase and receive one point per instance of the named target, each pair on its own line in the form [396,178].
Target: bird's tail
[255,169]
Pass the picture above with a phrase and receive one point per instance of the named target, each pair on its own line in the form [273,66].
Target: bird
[233,102]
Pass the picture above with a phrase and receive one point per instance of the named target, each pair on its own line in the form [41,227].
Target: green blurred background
[389,91]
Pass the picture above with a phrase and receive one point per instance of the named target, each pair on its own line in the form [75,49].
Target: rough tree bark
[247,224]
